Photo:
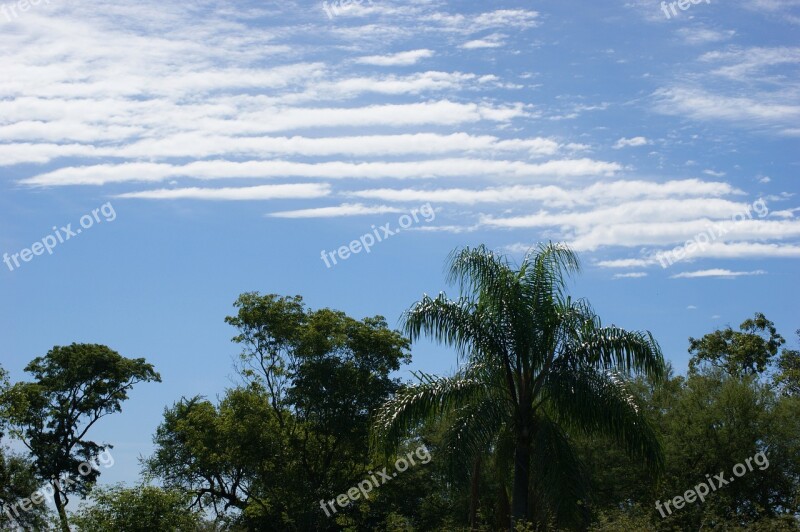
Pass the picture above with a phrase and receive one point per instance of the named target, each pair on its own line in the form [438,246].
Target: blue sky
[224,146]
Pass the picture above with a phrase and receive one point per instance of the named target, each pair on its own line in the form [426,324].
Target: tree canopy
[551,421]
[73,387]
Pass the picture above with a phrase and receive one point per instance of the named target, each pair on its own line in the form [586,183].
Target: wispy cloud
[716,272]
[262,192]
[631,142]
[557,196]
[742,64]
[495,40]
[396,59]
[376,108]
[766,110]
[222,169]
[714,173]
[207,144]
[696,35]
[346,209]
[630,275]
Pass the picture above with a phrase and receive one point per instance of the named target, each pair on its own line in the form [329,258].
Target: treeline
[553,421]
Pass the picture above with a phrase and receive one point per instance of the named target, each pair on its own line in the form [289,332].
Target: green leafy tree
[138,509]
[708,423]
[536,363]
[788,371]
[747,351]
[717,422]
[219,453]
[17,483]
[297,429]
[73,388]
[269,332]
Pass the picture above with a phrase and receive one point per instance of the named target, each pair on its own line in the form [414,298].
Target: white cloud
[222,169]
[662,214]
[468,24]
[156,119]
[454,229]
[714,173]
[677,232]
[722,226]
[396,59]
[748,250]
[263,192]
[496,40]
[552,195]
[716,272]
[700,35]
[206,144]
[505,18]
[630,275]
[718,250]
[786,213]
[346,209]
[110,94]
[765,109]
[745,63]
[265,119]
[632,142]
[625,263]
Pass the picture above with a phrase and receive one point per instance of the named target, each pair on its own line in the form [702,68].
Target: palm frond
[627,351]
[594,403]
[428,400]
[477,270]
[457,323]
[547,268]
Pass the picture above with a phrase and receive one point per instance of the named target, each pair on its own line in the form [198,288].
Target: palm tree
[536,366]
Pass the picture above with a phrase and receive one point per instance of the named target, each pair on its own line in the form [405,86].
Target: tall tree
[296,431]
[73,388]
[748,351]
[536,361]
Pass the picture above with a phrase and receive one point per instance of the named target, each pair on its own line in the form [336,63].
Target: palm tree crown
[537,366]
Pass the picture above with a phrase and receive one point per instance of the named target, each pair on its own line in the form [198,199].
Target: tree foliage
[295,431]
[551,416]
[73,387]
[747,351]
[138,509]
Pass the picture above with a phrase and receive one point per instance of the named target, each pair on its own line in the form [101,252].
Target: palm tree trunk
[473,494]
[503,508]
[522,465]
